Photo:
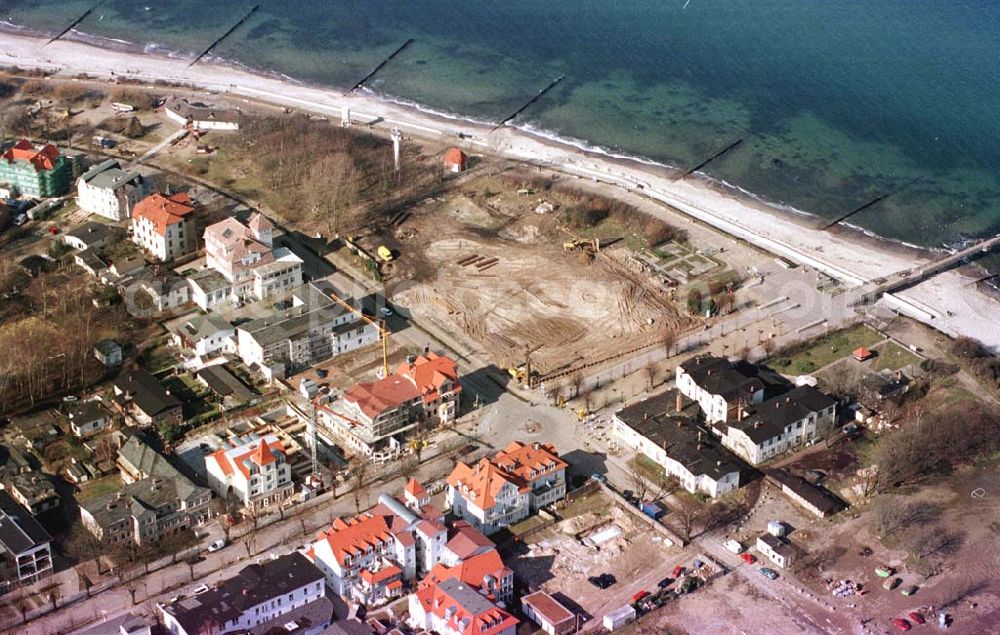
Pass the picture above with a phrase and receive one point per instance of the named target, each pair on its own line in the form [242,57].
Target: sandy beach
[948,302]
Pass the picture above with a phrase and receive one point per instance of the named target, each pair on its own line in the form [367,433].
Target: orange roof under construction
[425,378]
[162,210]
[261,452]
[454,156]
[42,158]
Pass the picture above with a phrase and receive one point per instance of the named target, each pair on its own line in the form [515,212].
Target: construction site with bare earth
[505,266]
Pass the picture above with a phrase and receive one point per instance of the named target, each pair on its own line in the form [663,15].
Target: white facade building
[107,190]
[498,492]
[664,429]
[722,389]
[163,226]
[793,419]
[261,597]
[254,470]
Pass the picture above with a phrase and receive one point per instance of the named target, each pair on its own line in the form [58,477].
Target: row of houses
[154,501]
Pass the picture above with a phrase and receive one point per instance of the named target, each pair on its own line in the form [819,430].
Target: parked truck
[619,617]
[652,510]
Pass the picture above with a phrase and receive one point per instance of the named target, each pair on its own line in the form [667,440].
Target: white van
[733,545]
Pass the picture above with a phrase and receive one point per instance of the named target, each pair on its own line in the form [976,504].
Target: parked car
[638,596]
[901,624]
[891,583]
[602,581]
[665,582]
[909,590]
[733,545]
[677,572]
[916,618]
[771,574]
[216,545]
[884,572]
[20,219]
[600,478]
[748,558]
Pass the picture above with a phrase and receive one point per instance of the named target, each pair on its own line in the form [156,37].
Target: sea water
[837,102]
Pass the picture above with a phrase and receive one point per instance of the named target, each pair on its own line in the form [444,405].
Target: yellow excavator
[591,245]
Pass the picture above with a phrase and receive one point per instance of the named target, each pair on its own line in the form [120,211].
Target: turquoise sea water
[839,101]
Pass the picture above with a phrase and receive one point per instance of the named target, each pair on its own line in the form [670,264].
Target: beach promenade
[947,302]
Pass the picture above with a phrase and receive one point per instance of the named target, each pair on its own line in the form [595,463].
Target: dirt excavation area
[509,272]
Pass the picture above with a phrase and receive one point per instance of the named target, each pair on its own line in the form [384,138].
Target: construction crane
[522,373]
[379,324]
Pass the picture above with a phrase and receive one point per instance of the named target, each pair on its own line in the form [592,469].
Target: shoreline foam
[846,254]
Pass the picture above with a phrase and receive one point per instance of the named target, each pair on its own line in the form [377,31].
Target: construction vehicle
[384,253]
[590,245]
[523,373]
[520,373]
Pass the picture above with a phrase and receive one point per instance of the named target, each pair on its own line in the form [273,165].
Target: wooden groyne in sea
[540,94]
[224,35]
[364,79]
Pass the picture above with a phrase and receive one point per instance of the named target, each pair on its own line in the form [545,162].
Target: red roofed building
[254,470]
[371,416]
[499,492]
[485,572]
[36,171]
[451,607]
[862,354]
[455,160]
[544,610]
[163,225]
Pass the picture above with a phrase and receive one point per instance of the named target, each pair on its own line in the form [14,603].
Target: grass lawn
[596,503]
[99,488]
[892,356]
[650,470]
[825,350]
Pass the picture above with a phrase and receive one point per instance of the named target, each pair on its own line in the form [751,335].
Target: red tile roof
[163,211]
[466,541]
[491,621]
[482,483]
[546,606]
[41,158]
[862,353]
[425,378]
[220,458]
[385,573]
[472,571]
[454,156]
[354,536]
[523,459]
[414,487]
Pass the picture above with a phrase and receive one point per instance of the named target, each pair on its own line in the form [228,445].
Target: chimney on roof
[645,416]
[699,436]
[899,375]
[698,447]
[536,445]
[756,424]
[679,402]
